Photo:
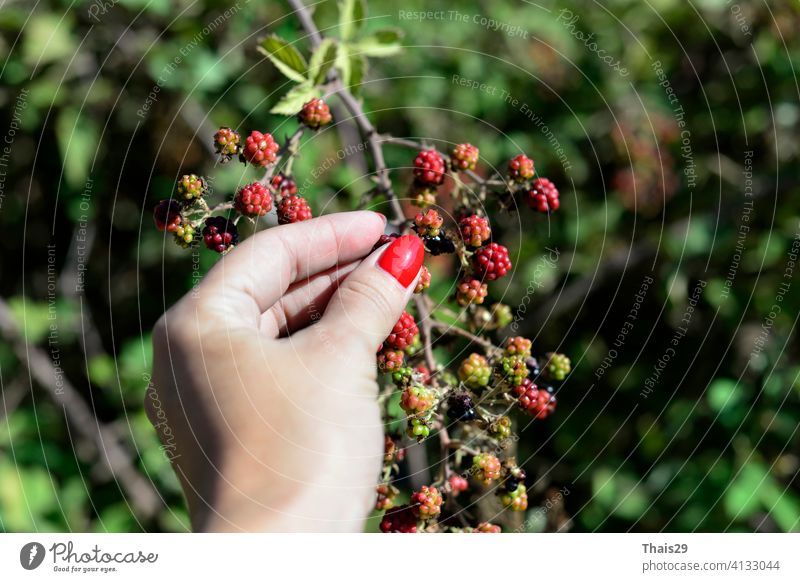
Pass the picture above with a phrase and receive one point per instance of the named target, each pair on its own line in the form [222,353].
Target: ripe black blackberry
[461,408]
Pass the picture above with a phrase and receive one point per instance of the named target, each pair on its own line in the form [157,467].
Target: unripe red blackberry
[460,407]
[558,366]
[390,360]
[385,496]
[501,315]
[429,168]
[402,519]
[471,291]
[424,280]
[253,200]
[315,114]
[427,502]
[184,235]
[226,143]
[283,185]
[464,157]
[293,209]
[518,346]
[543,196]
[516,500]
[220,234]
[520,168]
[500,428]
[474,230]
[475,371]
[418,428]
[403,332]
[422,195]
[487,527]
[457,484]
[538,402]
[167,215]
[486,467]
[417,400]
[491,262]
[428,224]
[514,370]
[260,149]
[191,187]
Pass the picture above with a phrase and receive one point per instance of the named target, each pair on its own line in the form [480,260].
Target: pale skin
[266,378]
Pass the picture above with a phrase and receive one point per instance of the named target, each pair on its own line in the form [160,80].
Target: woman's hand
[264,381]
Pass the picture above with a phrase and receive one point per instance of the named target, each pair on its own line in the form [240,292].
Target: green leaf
[284,56]
[381,43]
[78,141]
[742,497]
[343,64]
[351,17]
[358,70]
[48,38]
[321,61]
[291,103]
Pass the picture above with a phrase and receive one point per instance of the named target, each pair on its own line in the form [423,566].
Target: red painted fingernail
[403,258]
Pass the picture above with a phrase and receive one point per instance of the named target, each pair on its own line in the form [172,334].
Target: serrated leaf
[285,57]
[351,17]
[291,103]
[321,61]
[381,43]
[358,70]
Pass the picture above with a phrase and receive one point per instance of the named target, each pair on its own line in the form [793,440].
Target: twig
[447,328]
[145,499]
[375,144]
[368,132]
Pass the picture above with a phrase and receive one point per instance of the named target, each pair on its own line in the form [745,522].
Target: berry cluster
[474,230]
[427,502]
[467,403]
[315,114]
[260,149]
[543,196]
[464,157]
[486,468]
[189,211]
[538,402]
[429,168]
[471,291]
[253,200]
[475,372]
[403,333]
[520,168]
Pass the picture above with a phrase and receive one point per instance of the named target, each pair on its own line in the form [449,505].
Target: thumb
[370,301]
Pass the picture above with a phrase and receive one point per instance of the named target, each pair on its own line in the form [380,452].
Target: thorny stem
[375,143]
[458,331]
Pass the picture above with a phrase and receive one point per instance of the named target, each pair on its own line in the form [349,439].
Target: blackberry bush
[448,372]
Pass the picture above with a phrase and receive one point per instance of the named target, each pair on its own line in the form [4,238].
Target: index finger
[254,275]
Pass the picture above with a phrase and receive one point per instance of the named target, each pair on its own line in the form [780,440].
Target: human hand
[265,380]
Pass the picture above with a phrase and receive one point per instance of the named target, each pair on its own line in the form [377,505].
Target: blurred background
[669,127]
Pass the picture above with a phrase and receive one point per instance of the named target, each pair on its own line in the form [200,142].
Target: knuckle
[367,293]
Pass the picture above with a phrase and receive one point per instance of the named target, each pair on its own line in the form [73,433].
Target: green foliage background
[714,447]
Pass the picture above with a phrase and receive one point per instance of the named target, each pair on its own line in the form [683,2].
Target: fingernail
[385,221]
[403,258]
